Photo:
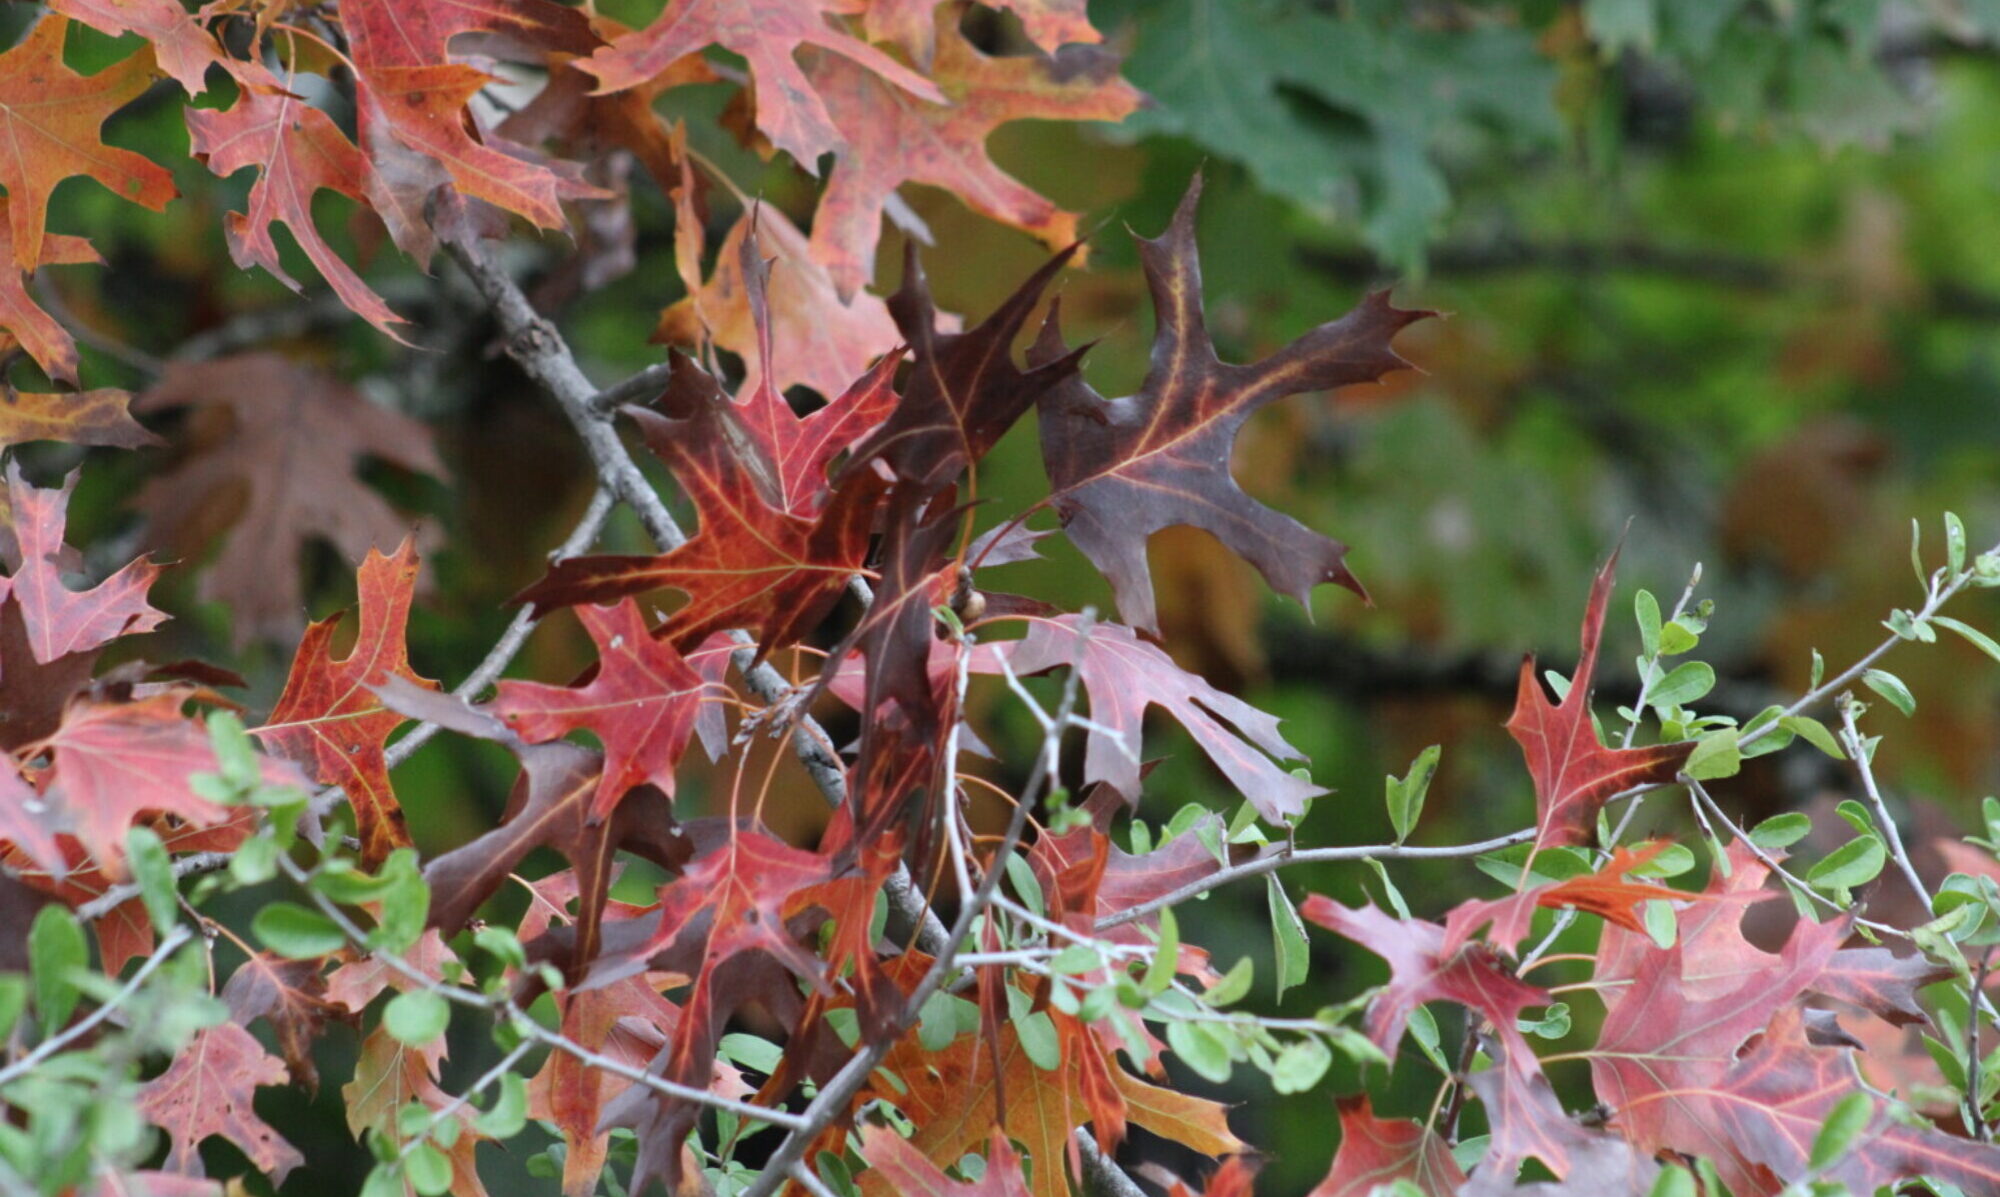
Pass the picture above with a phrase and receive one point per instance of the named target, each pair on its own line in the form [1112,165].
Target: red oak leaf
[297,152]
[207,1091]
[389,1076]
[905,1169]
[329,719]
[116,762]
[628,1022]
[892,139]
[1124,675]
[1762,1115]
[1605,893]
[950,1096]
[1085,873]
[61,621]
[912,24]
[1122,469]
[1881,982]
[49,120]
[550,805]
[410,93]
[1672,1031]
[123,935]
[567,114]
[291,997]
[1674,1057]
[1379,1151]
[800,448]
[1085,877]
[416,33]
[22,318]
[767,33]
[1716,957]
[964,390]
[641,705]
[28,822]
[109,1182]
[272,454]
[1574,773]
[905,703]
[184,48]
[1527,1121]
[754,562]
[1420,971]
[724,920]
[1236,1177]
[362,978]
[814,339]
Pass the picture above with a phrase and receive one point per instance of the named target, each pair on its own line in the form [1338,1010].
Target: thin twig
[642,385]
[193,865]
[503,651]
[804,1178]
[1939,595]
[1278,856]
[527,1026]
[1975,1114]
[486,1081]
[55,1043]
[555,1039]
[1857,749]
[1715,811]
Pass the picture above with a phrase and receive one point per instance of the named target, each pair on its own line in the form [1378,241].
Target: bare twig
[1101,1174]
[639,386]
[510,642]
[192,865]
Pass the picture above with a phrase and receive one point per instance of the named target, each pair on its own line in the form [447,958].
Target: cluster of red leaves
[1711,1048]
[781,531]
[916,108]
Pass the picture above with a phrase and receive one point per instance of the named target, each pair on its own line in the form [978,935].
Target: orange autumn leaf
[768,34]
[49,122]
[950,1097]
[816,339]
[893,139]
[330,720]
[22,316]
[98,417]
[184,48]
[297,152]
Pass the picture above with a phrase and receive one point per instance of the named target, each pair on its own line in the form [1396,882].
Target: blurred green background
[1721,277]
